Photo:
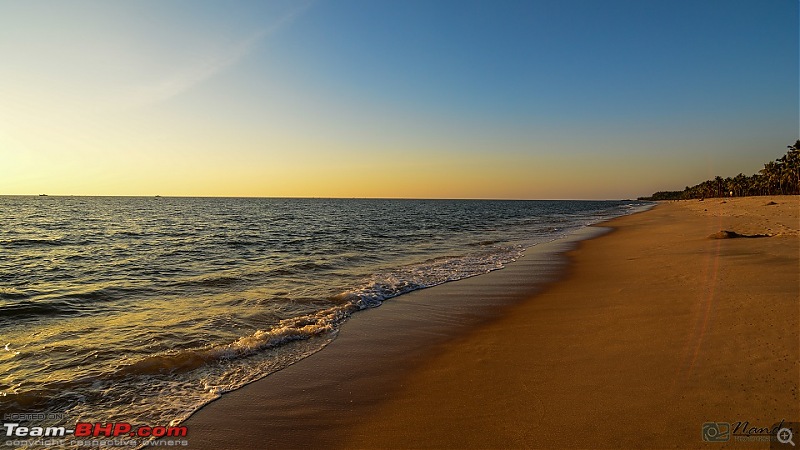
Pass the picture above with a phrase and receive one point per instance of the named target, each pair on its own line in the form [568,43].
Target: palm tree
[781,176]
[739,184]
[728,184]
[791,162]
[720,185]
[770,174]
[757,185]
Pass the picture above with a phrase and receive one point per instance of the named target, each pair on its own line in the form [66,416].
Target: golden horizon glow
[289,100]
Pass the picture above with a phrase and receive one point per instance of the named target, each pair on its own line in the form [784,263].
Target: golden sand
[657,330]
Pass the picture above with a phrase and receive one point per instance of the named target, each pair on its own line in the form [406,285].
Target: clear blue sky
[529,99]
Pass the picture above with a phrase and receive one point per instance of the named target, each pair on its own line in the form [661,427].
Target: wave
[299,268]
[320,323]
[29,309]
[483,243]
[323,322]
[31,400]
[212,281]
[32,242]
[227,280]
[12,294]
[427,274]
[309,266]
[24,306]
[287,330]
[104,294]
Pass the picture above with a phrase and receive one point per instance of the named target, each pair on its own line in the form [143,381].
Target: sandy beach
[649,332]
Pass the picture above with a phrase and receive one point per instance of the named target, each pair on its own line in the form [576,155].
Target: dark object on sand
[770,204]
[724,234]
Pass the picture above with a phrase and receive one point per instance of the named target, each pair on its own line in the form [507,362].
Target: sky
[534,99]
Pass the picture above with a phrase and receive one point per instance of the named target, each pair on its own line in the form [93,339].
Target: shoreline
[393,372]
[404,331]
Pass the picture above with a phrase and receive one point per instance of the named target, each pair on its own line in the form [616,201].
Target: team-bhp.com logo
[84,429]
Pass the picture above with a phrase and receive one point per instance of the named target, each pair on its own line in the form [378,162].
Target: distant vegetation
[779,177]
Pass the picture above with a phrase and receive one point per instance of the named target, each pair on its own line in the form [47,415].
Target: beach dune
[655,330]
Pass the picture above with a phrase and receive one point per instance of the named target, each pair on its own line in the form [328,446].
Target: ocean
[141,310]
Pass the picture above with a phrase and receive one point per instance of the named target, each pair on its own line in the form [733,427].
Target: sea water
[141,310]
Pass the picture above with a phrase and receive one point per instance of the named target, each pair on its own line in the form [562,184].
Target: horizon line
[317,197]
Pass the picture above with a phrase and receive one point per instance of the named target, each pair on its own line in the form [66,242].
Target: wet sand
[655,329]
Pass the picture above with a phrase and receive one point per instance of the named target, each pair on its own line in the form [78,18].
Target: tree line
[779,177]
